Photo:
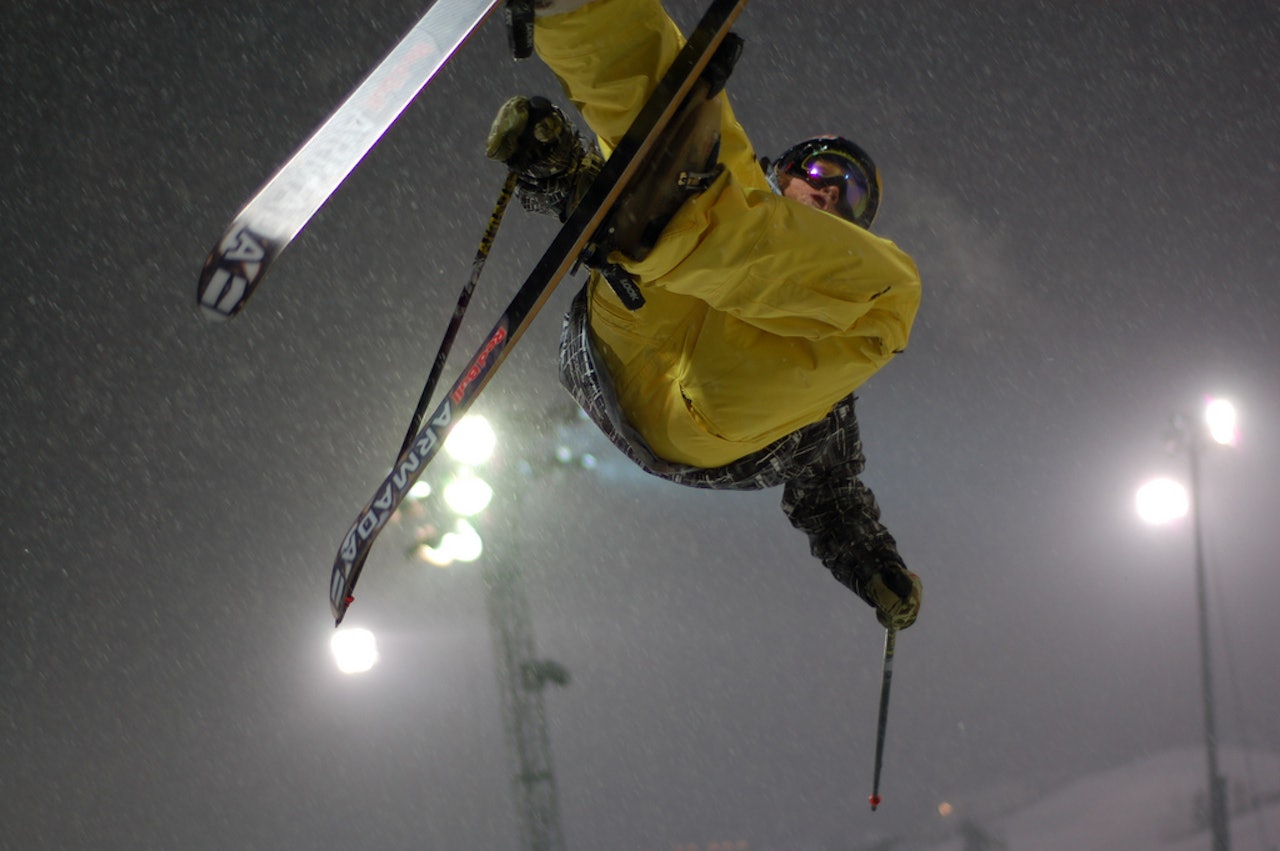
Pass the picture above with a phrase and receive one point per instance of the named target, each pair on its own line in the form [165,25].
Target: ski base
[564,252]
[290,198]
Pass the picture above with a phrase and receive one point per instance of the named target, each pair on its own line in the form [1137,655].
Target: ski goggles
[830,169]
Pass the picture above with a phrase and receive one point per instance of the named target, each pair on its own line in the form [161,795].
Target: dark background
[1090,190]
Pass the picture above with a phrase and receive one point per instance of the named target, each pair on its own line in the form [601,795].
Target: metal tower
[521,679]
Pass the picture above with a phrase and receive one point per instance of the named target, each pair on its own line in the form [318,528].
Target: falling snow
[1090,193]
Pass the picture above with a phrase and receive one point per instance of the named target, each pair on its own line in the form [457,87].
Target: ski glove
[895,592]
[554,166]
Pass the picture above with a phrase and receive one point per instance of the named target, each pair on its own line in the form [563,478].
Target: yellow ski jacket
[761,313]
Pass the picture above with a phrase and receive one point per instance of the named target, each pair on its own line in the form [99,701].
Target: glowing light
[945,809]
[468,494]
[463,544]
[471,441]
[420,490]
[438,556]
[1162,501]
[1220,416]
[355,650]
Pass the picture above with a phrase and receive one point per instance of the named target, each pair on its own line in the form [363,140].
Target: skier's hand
[553,165]
[895,592]
[527,135]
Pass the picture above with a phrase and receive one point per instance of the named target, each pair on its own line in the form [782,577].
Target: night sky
[1091,192]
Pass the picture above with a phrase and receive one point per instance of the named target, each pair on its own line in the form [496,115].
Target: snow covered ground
[1154,803]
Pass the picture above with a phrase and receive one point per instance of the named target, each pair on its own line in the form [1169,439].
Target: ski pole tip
[875,802]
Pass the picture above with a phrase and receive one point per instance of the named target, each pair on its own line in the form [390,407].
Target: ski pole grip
[519,14]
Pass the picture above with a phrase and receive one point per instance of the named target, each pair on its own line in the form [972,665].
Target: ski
[569,244]
[284,204]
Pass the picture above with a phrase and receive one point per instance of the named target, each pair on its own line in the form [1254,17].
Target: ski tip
[213,315]
[220,292]
[340,612]
[232,272]
[875,802]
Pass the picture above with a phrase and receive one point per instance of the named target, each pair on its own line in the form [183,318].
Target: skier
[766,301]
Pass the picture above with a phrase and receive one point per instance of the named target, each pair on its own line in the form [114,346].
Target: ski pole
[482,254]
[464,299]
[889,635]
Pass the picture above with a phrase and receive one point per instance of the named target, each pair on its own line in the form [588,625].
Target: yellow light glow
[463,544]
[438,556]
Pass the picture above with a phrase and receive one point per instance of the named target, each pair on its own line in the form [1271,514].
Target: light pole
[522,677]
[1161,501]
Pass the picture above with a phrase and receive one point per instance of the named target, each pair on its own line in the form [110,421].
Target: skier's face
[822,198]
[822,183]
